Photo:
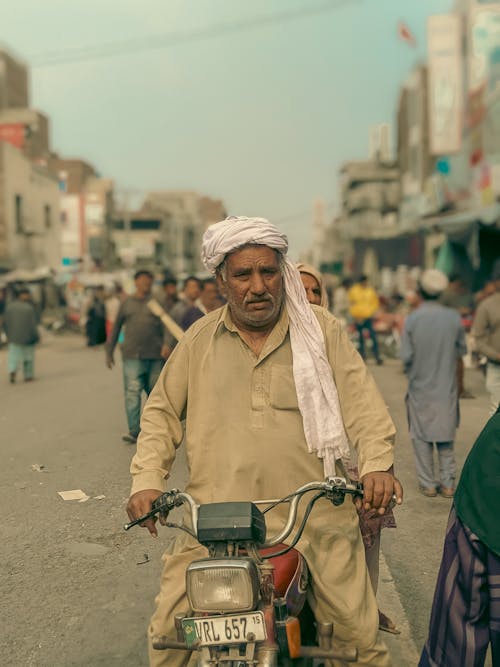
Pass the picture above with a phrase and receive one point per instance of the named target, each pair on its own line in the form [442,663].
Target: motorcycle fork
[267,653]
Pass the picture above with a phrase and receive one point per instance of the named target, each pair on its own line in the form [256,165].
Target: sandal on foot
[386,625]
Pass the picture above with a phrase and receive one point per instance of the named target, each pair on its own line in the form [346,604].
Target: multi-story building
[448,157]
[14,82]
[25,128]
[165,232]
[86,211]
[370,196]
[138,238]
[188,214]
[29,213]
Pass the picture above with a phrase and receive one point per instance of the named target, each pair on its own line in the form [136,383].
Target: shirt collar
[275,338]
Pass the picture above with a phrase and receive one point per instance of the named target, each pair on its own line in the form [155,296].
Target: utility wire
[166,40]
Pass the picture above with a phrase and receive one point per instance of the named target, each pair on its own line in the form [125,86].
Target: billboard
[446,85]
[484,50]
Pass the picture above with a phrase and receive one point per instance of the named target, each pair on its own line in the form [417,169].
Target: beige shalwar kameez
[244,440]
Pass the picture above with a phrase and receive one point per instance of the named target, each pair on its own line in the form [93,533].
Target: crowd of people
[256,344]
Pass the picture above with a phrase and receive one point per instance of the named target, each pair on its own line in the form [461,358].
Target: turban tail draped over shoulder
[316,391]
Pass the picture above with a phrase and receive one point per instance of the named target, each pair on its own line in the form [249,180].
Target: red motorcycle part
[290,577]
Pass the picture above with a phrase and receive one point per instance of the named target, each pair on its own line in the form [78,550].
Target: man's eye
[317,292]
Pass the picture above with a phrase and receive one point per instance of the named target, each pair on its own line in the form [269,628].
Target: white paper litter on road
[75,494]
[99,497]
[38,467]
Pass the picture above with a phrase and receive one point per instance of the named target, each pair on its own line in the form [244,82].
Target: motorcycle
[248,597]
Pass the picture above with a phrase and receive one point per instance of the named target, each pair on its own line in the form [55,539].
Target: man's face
[210,296]
[192,290]
[312,288]
[254,286]
[170,290]
[143,283]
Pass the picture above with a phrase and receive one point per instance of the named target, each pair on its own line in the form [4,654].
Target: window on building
[144,224]
[47,216]
[18,205]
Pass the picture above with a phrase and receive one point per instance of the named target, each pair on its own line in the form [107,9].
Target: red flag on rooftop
[406,34]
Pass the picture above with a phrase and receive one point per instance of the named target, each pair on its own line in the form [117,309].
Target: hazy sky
[260,118]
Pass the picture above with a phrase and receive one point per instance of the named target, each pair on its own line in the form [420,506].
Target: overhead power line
[166,40]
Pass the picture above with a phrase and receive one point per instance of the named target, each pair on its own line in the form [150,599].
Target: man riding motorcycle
[271,392]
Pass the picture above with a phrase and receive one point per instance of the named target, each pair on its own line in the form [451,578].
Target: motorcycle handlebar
[334,488]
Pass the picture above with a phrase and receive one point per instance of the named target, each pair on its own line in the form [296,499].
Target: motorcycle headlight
[222,585]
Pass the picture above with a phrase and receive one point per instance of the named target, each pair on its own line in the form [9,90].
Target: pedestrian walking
[271,391]
[112,304]
[171,297]
[144,349]
[190,295]
[21,328]
[465,615]
[209,300]
[486,332]
[95,325]
[458,296]
[370,522]
[433,340]
[364,303]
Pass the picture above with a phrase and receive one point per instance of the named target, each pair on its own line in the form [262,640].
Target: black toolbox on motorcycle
[231,522]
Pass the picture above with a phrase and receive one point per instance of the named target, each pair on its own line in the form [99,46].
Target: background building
[165,232]
[30,235]
[437,202]
[87,210]
[14,82]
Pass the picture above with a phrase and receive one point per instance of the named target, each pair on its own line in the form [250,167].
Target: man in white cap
[433,341]
[271,391]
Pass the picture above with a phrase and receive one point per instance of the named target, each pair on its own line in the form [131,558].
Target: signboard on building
[484,49]
[94,214]
[12,133]
[71,226]
[446,87]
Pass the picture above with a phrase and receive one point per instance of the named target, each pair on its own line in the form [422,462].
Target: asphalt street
[76,589]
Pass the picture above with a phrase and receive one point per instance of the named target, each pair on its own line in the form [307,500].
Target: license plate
[220,630]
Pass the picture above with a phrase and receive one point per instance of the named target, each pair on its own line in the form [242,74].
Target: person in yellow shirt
[364,304]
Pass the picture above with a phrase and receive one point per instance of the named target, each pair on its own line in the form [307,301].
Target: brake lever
[162,506]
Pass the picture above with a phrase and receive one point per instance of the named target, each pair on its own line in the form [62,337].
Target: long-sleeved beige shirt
[243,430]
[486,329]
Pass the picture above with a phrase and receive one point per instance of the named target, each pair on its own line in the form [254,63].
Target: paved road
[71,579]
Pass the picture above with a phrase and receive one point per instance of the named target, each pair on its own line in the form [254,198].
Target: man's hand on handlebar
[141,503]
[379,489]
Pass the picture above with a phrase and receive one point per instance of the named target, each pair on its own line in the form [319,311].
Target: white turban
[316,391]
